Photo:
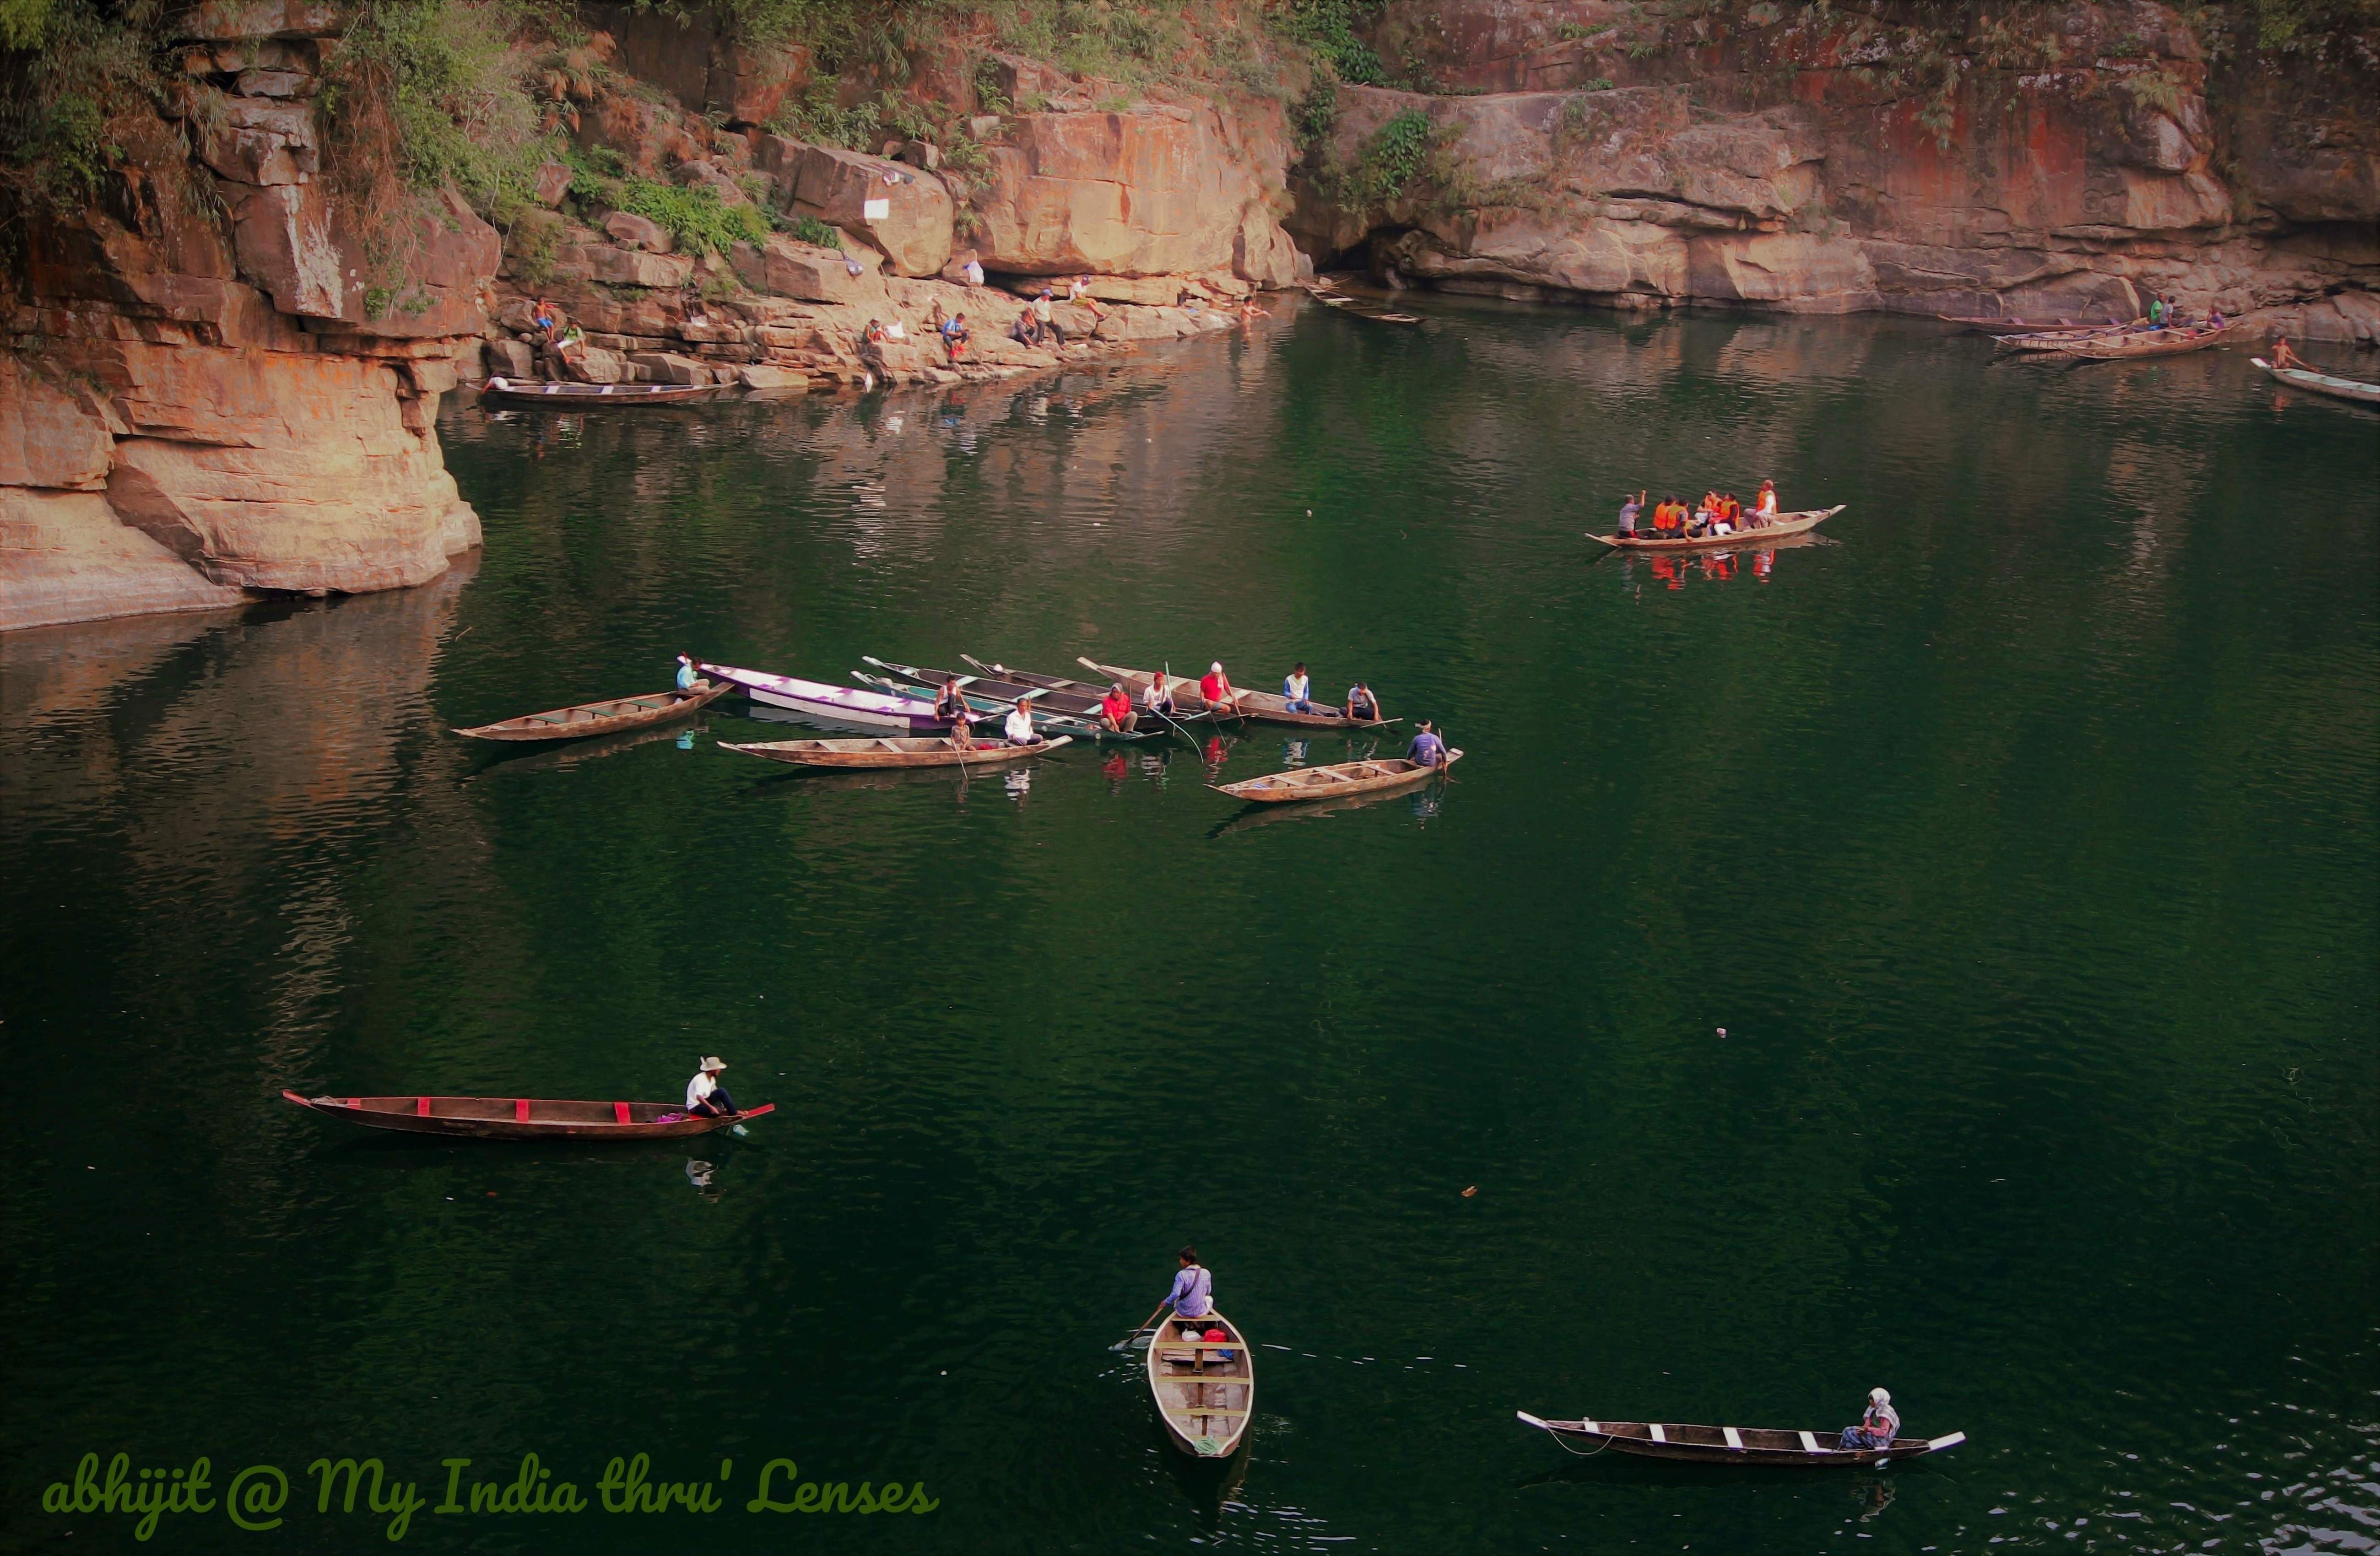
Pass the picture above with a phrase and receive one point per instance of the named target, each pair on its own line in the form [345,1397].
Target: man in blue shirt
[1427,749]
[1194,1289]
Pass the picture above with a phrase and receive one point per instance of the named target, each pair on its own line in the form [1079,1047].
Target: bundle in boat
[891,752]
[1338,779]
[1735,1445]
[523,1118]
[1753,535]
[1205,1389]
[601,718]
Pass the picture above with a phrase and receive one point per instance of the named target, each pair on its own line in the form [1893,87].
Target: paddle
[1144,1328]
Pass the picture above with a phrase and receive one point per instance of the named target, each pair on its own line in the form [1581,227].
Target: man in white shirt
[705,1098]
[1019,726]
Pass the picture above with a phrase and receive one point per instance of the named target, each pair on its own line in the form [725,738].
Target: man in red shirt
[1115,711]
[1215,688]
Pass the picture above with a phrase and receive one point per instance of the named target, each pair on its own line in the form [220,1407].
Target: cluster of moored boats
[908,711]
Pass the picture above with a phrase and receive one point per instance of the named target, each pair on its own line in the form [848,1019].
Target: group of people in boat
[1718,513]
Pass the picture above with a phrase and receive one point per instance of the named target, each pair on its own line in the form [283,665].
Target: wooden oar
[1125,1343]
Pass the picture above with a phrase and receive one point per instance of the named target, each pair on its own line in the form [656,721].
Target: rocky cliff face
[1793,167]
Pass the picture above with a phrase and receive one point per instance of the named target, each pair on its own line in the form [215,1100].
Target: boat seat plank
[1658,1435]
[1810,1444]
[1734,1439]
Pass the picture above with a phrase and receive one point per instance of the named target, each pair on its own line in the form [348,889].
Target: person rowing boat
[1427,748]
[1216,690]
[1628,509]
[1193,1296]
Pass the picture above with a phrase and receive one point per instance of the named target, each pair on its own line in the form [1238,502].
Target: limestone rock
[1163,188]
[762,377]
[47,436]
[66,556]
[592,364]
[282,233]
[667,367]
[908,218]
[799,270]
[624,267]
[638,232]
[259,140]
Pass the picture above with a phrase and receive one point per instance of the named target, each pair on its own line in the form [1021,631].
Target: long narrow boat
[2324,384]
[2166,341]
[609,717]
[1749,538]
[2022,327]
[2057,340]
[522,1118]
[1092,689]
[512,392]
[885,751]
[1082,712]
[1205,1389]
[1732,1445]
[1338,779]
[836,706]
[1264,707]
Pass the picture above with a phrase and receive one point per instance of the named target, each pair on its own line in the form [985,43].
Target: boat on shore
[1205,1389]
[523,1118]
[1731,1445]
[509,391]
[2339,388]
[841,707]
[1263,707]
[612,717]
[1336,780]
[1751,538]
[890,752]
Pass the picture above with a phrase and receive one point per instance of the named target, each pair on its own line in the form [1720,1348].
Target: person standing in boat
[1362,704]
[1019,726]
[1193,1296]
[1878,1427]
[705,1098]
[1628,509]
[1427,749]
[1297,690]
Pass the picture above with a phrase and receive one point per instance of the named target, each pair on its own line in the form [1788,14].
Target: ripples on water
[2021,830]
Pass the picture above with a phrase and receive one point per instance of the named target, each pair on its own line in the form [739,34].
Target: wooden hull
[506,392]
[2352,389]
[1205,1391]
[839,707]
[2020,327]
[892,753]
[1335,781]
[588,719]
[1742,540]
[521,1118]
[1261,707]
[2143,343]
[1731,1445]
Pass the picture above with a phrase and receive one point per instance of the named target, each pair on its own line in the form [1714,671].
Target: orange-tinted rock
[66,556]
[904,212]
[49,436]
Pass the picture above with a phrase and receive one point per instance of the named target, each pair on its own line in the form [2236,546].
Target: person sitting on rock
[954,338]
[1026,331]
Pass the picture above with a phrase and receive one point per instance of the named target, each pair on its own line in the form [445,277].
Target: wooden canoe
[511,392]
[1206,1390]
[891,752]
[1264,707]
[1731,1445]
[1080,714]
[601,718]
[2324,384]
[1337,780]
[1748,538]
[2129,343]
[2020,327]
[522,1118]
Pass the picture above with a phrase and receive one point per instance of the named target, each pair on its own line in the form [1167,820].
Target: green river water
[2022,833]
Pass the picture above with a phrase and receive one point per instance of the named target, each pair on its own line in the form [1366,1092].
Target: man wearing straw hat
[705,1098]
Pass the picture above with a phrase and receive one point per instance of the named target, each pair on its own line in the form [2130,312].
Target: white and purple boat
[839,707]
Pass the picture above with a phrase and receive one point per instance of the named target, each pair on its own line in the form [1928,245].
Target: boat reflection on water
[1672,569]
[1210,1485]
[514,760]
[1424,802]
[701,1174]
